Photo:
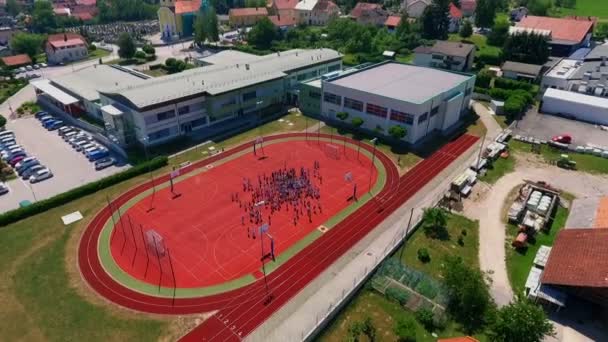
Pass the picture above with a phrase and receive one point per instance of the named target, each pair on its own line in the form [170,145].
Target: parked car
[22,69]
[43,65]
[29,68]
[31,170]
[74,141]
[564,139]
[24,163]
[40,114]
[8,154]
[46,118]
[49,123]
[32,76]
[55,125]
[88,147]
[7,141]
[41,175]
[27,167]
[17,158]
[3,188]
[6,134]
[66,129]
[36,66]
[98,154]
[102,163]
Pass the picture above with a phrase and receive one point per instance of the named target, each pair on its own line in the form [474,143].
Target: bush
[426,318]
[140,54]
[149,49]
[2,121]
[400,296]
[87,189]
[92,47]
[505,83]
[499,94]
[483,79]
[423,255]
[463,232]
[405,329]
[489,59]
[481,91]
[461,240]
[150,58]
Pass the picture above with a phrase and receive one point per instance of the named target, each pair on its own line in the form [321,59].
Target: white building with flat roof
[420,99]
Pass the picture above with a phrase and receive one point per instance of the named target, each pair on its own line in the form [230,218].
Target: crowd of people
[109,33]
[284,190]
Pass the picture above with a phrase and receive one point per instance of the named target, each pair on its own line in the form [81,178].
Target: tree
[397,132]
[126,46]
[469,301]
[405,329]
[500,32]
[200,32]
[12,7]
[342,115]
[466,30]
[140,54]
[485,13]
[435,20]
[435,221]
[262,34]
[526,47]
[212,29]
[539,7]
[28,43]
[521,321]
[357,122]
[43,17]
[2,121]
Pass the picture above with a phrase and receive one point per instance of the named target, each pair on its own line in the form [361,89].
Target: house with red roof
[468,7]
[565,35]
[245,17]
[392,22]
[283,22]
[17,61]
[65,48]
[316,12]
[369,14]
[284,9]
[455,18]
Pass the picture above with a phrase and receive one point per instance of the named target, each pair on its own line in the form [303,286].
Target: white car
[3,189]
[20,70]
[41,175]
[29,68]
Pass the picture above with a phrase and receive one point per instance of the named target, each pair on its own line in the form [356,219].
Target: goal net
[155,242]
[332,151]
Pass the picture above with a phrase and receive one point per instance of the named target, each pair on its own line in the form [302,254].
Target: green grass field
[584,162]
[520,262]
[480,41]
[499,168]
[595,8]
[440,249]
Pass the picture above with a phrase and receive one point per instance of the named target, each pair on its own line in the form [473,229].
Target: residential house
[284,9]
[521,71]
[65,48]
[6,33]
[446,55]
[316,12]
[283,22]
[415,8]
[517,14]
[455,18]
[17,61]
[392,22]
[566,35]
[468,7]
[176,17]
[244,17]
[369,14]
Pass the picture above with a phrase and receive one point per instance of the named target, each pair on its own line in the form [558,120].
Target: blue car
[55,125]
[40,114]
[46,119]
[49,123]
[98,154]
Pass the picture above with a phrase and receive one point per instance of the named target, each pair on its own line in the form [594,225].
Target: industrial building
[202,101]
[422,100]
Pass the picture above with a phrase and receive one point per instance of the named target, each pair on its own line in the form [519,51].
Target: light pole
[145,141]
[33,193]
[371,166]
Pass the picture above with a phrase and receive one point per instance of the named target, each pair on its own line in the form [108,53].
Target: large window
[332,98]
[468,92]
[402,117]
[333,67]
[159,134]
[314,94]
[183,110]
[353,104]
[434,111]
[249,96]
[376,110]
[162,116]
[422,118]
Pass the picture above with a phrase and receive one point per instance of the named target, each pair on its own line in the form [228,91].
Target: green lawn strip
[519,263]
[439,249]
[499,168]
[129,281]
[41,285]
[594,8]
[584,162]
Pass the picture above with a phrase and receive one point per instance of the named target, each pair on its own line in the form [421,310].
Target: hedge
[489,59]
[81,191]
[506,83]
[499,94]
[480,90]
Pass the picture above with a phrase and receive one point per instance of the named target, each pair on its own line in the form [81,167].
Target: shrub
[481,91]
[426,318]
[156,66]
[342,115]
[140,54]
[87,189]
[461,240]
[2,121]
[150,58]
[483,79]
[423,255]
[400,296]
[405,329]
[500,94]
[463,232]
[489,59]
[92,47]
[149,49]
[505,83]
[357,122]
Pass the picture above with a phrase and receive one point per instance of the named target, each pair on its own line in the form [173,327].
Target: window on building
[301,77]
[332,98]
[231,101]
[440,57]
[165,115]
[353,104]
[402,117]
[376,110]
[314,94]
[198,122]
[434,111]
[183,110]
[249,96]
[333,67]
[159,134]
[422,118]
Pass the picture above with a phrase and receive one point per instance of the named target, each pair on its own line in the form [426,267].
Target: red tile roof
[326,6]
[571,30]
[243,12]
[363,7]
[468,6]
[187,6]
[392,20]
[458,339]
[285,4]
[17,60]
[84,16]
[282,21]
[455,12]
[579,257]
[64,36]
[86,2]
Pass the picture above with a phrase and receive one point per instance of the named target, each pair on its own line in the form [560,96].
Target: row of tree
[206,27]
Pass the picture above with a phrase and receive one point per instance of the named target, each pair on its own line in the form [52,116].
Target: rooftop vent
[246,66]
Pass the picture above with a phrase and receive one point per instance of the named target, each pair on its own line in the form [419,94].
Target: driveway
[543,126]
[70,168]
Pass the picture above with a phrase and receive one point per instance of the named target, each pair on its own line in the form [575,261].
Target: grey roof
[522,68]
[598,52]
[217,79]
[87,82]
[447,48]
[596,68]
[404,82]
[228,57]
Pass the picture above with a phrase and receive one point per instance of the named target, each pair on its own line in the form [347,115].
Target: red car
[564,139]
[16,159]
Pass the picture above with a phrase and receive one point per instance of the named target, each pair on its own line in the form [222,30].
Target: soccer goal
[332,151]
[155,243]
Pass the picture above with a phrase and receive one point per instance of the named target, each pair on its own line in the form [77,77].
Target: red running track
[242,310]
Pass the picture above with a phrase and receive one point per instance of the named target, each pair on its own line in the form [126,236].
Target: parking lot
[544,126]
[70,168]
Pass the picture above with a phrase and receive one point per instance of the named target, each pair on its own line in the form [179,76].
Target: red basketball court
[202,230]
